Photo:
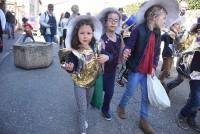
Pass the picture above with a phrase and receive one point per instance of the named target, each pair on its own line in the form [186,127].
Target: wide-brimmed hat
[180,20]
[102,15]
[73,22]
[171,6]
[194,26]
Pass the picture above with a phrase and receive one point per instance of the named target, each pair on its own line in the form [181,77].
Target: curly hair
[75,40]
[105,17]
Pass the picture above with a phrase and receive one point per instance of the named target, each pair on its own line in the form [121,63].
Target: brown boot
[121,112]
[145,126]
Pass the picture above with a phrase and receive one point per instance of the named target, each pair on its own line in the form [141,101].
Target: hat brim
[194,26]
[180,20]
[73,23]
[171,7]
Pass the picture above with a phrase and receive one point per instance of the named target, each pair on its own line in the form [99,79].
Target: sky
[93,6]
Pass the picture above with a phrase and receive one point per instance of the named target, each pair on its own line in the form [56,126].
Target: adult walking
[48,25]
[63,26]
[10,24]
[2,28]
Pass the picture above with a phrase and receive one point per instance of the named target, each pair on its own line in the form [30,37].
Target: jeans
[172,84]
[134,78]
[49,38]
[10,29]
[193,103]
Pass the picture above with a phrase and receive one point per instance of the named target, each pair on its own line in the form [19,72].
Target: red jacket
[28,28]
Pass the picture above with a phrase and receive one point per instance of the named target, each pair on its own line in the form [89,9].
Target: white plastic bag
[156,93]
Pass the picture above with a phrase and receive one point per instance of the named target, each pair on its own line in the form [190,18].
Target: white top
[3,19]
[63,25]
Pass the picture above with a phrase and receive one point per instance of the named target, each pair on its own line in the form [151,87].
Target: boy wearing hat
[187,115]
[169,51]
[191,37]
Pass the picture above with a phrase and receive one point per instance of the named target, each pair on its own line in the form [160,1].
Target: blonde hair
[155,10]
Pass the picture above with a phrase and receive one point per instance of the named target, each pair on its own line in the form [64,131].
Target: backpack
[43,28]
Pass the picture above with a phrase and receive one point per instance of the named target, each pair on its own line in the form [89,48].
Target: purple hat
[198,20]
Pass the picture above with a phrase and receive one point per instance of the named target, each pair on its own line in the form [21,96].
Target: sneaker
[182,122]
[107,116]
[120,83]
[86,124]
[192,124]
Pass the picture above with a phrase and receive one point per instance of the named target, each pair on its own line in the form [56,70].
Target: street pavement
[41,101]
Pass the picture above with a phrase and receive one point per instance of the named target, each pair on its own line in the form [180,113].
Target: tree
[132,8]
[194,4]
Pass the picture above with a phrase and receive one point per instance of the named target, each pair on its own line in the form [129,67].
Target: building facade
[24,8]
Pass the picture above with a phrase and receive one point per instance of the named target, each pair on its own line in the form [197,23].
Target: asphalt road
[41,101]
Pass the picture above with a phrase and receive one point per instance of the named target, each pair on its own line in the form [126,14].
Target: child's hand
[102,58]
[126,53]
[69,66]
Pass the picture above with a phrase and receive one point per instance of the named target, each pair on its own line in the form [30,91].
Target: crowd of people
[99,44]
[139,55]
[8,25]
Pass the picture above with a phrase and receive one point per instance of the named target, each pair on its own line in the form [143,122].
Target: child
[187,115]
[113,44]
[82,62]
[169,48]
[142,51]
[27,29]
[187,44]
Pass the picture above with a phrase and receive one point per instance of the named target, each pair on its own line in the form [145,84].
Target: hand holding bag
[156,93]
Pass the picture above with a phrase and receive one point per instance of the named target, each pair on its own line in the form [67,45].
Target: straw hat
[73,23]
[171,7]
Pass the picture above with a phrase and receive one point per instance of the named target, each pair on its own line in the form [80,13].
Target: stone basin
[32,55]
